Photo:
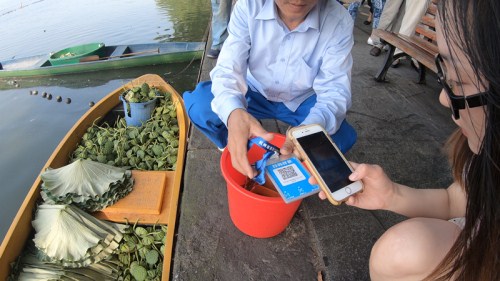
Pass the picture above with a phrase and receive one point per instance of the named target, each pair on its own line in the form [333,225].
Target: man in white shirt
[283,59]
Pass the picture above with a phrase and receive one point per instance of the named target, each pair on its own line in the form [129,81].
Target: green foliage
[144,93]
[141,252]
[153,146]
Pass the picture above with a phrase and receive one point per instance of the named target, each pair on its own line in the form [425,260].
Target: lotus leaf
[70,237]
[138,272]
[31,268]
[90,185]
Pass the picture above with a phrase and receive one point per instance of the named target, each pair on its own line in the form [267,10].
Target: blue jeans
[221,11]
[199,110]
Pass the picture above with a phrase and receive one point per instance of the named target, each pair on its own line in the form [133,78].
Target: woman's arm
[382,193]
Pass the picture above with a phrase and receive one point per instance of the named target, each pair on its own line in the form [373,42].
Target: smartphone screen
[327,161]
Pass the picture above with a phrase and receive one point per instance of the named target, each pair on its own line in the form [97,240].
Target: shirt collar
[269,12]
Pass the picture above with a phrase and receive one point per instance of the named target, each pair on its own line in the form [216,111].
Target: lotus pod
[70,237]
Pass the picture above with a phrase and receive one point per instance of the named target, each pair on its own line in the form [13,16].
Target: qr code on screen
[289,174]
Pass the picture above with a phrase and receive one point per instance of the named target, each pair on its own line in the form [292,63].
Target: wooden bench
[420,46]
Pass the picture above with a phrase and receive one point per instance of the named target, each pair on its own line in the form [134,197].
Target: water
[31,126]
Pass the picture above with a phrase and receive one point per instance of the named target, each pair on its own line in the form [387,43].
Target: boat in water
[99,57]
[155,194]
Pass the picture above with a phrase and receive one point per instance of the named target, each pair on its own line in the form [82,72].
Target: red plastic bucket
[255,215]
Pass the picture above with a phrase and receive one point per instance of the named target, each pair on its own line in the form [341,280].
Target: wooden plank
[432,9]
[119,50]
[408,45]
[427,33]
[428,21]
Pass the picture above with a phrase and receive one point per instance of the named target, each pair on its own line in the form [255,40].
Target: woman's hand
[288,148]
[378,189]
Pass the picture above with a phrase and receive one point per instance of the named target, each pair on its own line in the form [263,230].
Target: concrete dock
[401,126]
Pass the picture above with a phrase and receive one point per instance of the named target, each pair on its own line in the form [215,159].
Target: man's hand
[241,127]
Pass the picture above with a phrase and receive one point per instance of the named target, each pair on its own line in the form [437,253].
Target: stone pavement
[401,126]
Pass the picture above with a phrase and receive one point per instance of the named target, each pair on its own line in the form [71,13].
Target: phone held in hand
[325,162]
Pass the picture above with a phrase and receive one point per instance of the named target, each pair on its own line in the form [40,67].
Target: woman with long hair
[452,233]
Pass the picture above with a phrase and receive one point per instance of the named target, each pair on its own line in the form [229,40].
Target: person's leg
[378,7]
[221,11]
[199,110]
[344,138]
[414,11]
[412,249]
[387,18]
[198,107]
[370,16]
[353,9]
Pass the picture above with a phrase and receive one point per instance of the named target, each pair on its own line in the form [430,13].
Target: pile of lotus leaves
[90,185]
[29,267]
[137,256]
[141,252]
[153,146]
[68,236]
[144,93]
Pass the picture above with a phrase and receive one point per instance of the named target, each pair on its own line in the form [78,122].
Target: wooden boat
[166,212]
[110,57]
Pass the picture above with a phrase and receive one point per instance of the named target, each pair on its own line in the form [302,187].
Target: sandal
[375,51]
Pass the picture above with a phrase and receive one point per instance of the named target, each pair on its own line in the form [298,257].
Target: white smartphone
[325,162]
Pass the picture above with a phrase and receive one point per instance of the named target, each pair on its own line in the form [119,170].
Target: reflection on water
[31,126]
[40,27]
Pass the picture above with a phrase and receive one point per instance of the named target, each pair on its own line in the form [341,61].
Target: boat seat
[119,51]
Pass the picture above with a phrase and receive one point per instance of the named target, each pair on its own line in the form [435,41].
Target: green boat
[97,57]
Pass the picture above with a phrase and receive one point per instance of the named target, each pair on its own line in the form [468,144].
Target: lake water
[31,126]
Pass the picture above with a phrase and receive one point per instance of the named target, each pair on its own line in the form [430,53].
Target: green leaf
[152,257]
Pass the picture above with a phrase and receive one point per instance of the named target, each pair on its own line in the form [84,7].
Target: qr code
[289,174]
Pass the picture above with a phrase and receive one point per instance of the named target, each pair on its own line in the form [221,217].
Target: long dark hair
[474,27]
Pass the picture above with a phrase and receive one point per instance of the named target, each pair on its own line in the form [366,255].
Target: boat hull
[147,54]
[21,229]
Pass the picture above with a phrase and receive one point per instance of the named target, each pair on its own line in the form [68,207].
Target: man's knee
[201,95]
[197,102]
[345,137]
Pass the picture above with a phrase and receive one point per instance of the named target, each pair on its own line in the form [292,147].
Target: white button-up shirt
[287,66]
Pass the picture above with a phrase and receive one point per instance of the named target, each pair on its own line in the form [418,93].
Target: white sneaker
[370,41]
